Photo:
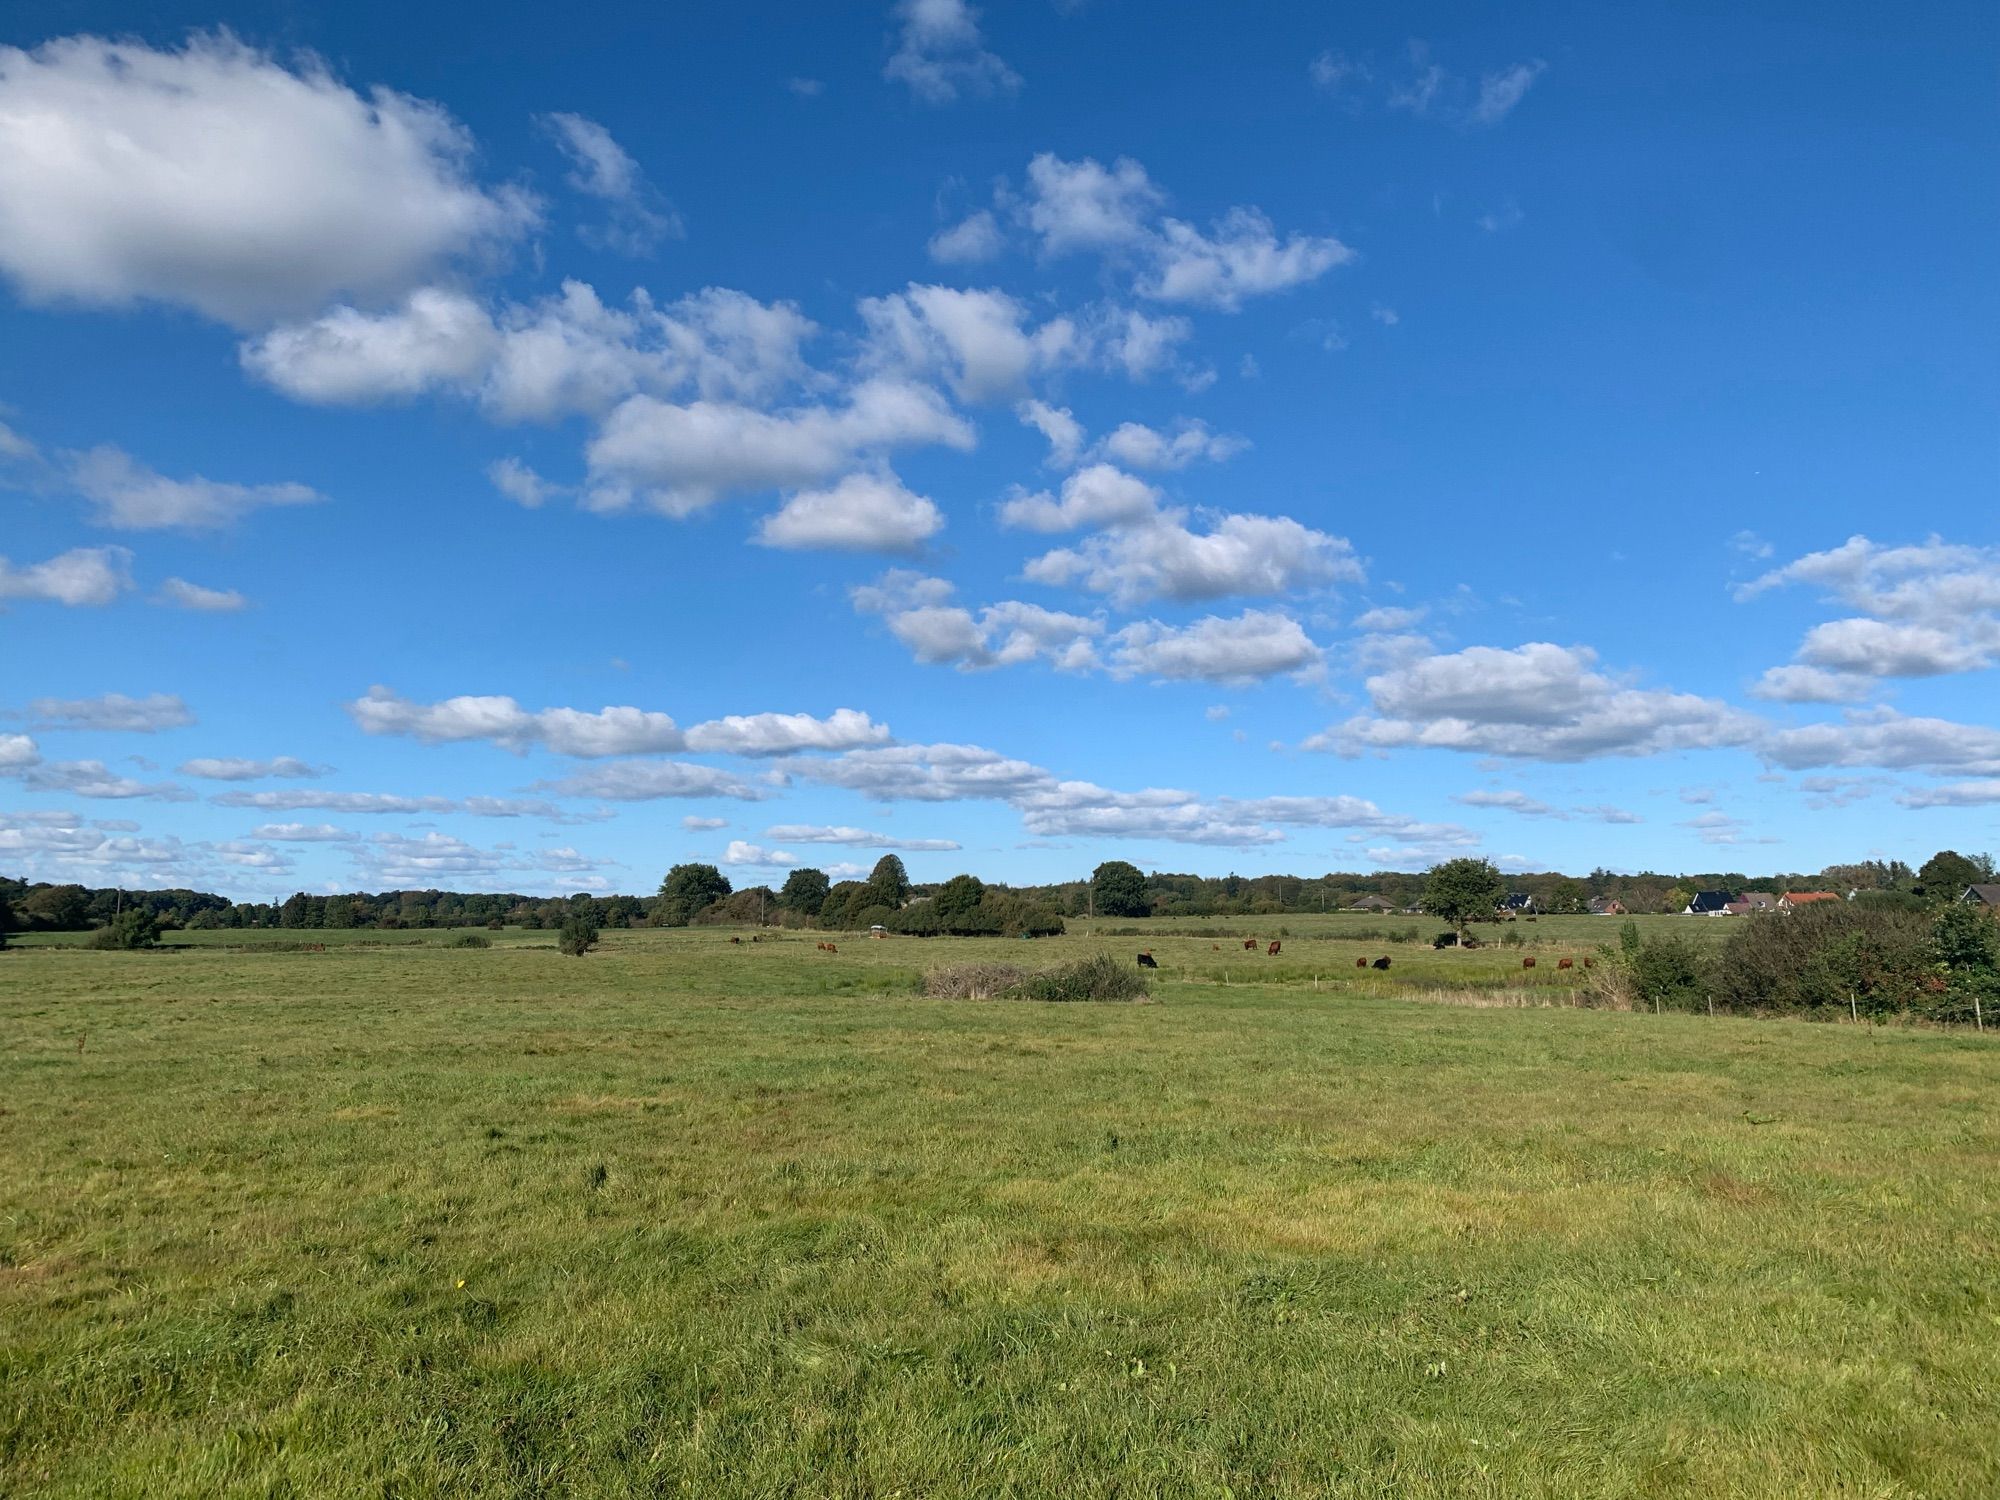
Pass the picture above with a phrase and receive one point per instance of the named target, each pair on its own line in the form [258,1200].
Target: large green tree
[890,882]
[1947,873]
[957,899]
[1460,889]
[686,890]
[1119,890]
[804,891]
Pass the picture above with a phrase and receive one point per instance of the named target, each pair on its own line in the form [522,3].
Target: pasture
[694,1218]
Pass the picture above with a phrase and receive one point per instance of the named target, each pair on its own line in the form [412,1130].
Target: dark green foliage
[135,927]
[1118,889]
[1667,974]
[1628,938]
[1461,889]
[6,919]
[890,882]
[1947,873]
[578,936]
[841,911]
[805,891]
[685,891]
[1831,955]
[1099,977]
[957,899]
[471,940]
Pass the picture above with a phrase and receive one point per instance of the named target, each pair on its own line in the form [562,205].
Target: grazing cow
[1565,963]
[1380,963]
[1587,961]
[819,947]
[1272,951]
[1527,963]
[1360,963]
[736,940]
[1146,961]
[1249,945]
[833,947]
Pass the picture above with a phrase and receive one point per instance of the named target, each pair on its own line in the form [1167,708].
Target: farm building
[1709,904]
[1606,906]
[1373,904]
[1753,901]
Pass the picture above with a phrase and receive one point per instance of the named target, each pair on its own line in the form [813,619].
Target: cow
[1272,951]
[1527,963]
[1146,961]
[1587,961]
[736,940]
[1215,947]
[1249,945]
[1360,963]
[833,947]
[819,947]
[1380,963]
[1565,963]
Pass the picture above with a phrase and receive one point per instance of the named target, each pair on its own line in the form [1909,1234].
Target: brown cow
[1360,963]
[1527,963]
[1249,945]
[833,947]
[736,940]
[1587,961]
[1272,951]
[1565,963]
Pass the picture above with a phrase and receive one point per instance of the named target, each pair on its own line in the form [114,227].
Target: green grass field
[710,1220]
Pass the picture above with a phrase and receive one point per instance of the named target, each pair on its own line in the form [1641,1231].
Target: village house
[1793,900]
[1374,904]
[1753,901]
[1709,904]
[1606,906]
[1987,896]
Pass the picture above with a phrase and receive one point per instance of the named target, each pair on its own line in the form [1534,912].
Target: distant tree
[890,882]
[6,919]
[957,899]
[1676,898]
[1947,873]
[1460,889]
[339,912]
[134,927]
[1119,890]
[58,908]
[804,891]
[844,904]
[578,936]
[1967,940]
[686,890]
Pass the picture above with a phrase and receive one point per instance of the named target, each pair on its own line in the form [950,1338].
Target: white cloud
[1237,555]
[861,513]
[521,484]
[385,803]
[941,54]
[1539,701]
[784,734]
[112,712]
[1254,644]
[1878,648]
[1141,447]
[1064,433]
[678,459]
[226,768]
[1099,495]
[17,753]
[1334,72]
[897,589]
[1500,92]
[859,838]
[1797,684]
[979,340]
[92,576]
[501,720]
[1389,618]
[213,178]
[181,594]
[92,778]
[303,833]
[741,853]
[973,239]
[436,339]
[128,496]
[649,780]
[601,168]
[1882,738]
[1083,206]
[1140,346]
[1957,794]
[918,612]
[703,825]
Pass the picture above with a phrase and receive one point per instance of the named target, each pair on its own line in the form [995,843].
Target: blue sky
[1226,438]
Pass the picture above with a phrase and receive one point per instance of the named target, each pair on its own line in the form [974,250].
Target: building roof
[1707,901]
[1986,895]
[1800,898]
[1372,903]
[1758,900]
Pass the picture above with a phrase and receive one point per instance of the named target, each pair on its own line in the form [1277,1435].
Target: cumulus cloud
[211,177]
[226,768]
[1064,433]
[1082,205]
[941,54]
[860,513]
[859,838]
[92,778]
[181,594]
[303,833]
[127,496]
[784,734]
[703,825]
[1099,495]
[1237,555]
[974,238]
[112,712]
[1539,701]
[1254,644]
[1520,802]
[82,576]
[1796,684]
[17,753]
[1141,447]
[385,803]
[602,169]
[980,341]
[742,853]
[918,612]
[651,780]
[1884,739]
[1957,794]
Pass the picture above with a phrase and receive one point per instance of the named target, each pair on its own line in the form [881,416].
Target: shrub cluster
[972,981]
[1101,977]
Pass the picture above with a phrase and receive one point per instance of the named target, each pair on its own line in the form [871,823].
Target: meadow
[700,1218]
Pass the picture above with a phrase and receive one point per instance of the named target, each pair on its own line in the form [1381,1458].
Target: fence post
[1853,1011]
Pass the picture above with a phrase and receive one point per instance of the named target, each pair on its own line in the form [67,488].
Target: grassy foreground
[688,1218]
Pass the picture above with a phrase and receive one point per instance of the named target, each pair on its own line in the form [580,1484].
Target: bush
[972,981]
[1512,938]
[470,940]
[1100,977]
[1667,974]
[132,928]
[1828,956]
[578,937]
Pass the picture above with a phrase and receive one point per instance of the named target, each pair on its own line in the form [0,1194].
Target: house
[1987,896]
[1606,906]
[1752,901]
[1793,900]
[1709,904]
[1373,904]
[1519,903]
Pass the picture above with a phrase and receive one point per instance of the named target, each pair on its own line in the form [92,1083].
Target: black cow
[1146,961]
[1380,963]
